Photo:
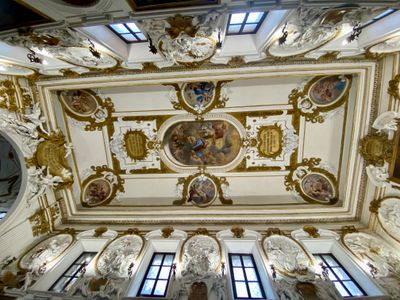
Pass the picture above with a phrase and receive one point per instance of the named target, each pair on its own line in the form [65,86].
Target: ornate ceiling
[264,128]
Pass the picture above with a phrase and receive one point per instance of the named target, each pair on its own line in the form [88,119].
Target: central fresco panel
[197,143]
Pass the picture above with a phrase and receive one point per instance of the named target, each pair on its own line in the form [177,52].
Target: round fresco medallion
[46,251]
[196,143]
[328,90]
[96,191]
[199,94]
[79,102]
[202,191]
[318,187]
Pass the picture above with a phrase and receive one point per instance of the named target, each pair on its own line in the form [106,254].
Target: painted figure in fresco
[204,143]
[80,102]
[317,187]
[201,191]
[97,191]
[199,94]
[328,89]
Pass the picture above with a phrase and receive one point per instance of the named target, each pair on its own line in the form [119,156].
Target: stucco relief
[376,251]
[115,259]
[288,257]
[389,216]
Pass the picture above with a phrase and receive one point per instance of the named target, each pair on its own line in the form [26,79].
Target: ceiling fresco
[215,146]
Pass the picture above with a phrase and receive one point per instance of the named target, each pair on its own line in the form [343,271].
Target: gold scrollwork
[376,148]
[166,232]
[217,102]
[98,116]
[39,223]
[314,184]
[135,142]
[194,193]
[304,105]
[394,87]
[270,140]
[8,98]
[51,155]
[238,232]
[105,183]
[312,231]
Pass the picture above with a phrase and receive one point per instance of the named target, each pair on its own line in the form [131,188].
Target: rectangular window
[245,279]
[342,280]
[155,283]
[129,32]
[63,283]
[245,23]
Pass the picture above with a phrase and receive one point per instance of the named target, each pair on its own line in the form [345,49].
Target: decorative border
[217,102]
[310,165]
[114,240]
[215,180]
[313,114]
[105,105]
[292,275]
[50,237]
[99,174]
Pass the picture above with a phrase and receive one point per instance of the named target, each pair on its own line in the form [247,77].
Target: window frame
[76,274]
[244,23]
[139,293]
[138,40]
[233,280]
[330,270]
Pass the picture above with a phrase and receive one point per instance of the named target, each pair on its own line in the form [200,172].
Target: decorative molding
[330,94]
[313,183]
[201,189]
[312,231]
[238,232]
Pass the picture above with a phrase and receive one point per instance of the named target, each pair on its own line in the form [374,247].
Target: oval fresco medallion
[45,251]
[202,191]
[96,191]
[197,143]
[116,257]
[328,90]
[318,187]
[198,94]
[79,102]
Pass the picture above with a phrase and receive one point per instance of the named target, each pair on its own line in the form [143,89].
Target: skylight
[245,23]
[129,32]
[379,17]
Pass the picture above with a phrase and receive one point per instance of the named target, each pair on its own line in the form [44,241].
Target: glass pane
[341,274]
[331,275]
[238,274]
[255,290]
[157,259]
[236,261]
[319,259]
[354,290]
[153,272]
[161,286]
[237,18]
[70,284]
[341,289]
[129,37]
[249,28]
[133,27]
[141,36]
[234,28]
[147,287]
[241,290]
[330,261]
[254,17]
[120,28]
[164,274]
[168,260]
[247,261]
[72,270]
[60,284]
[251,274]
